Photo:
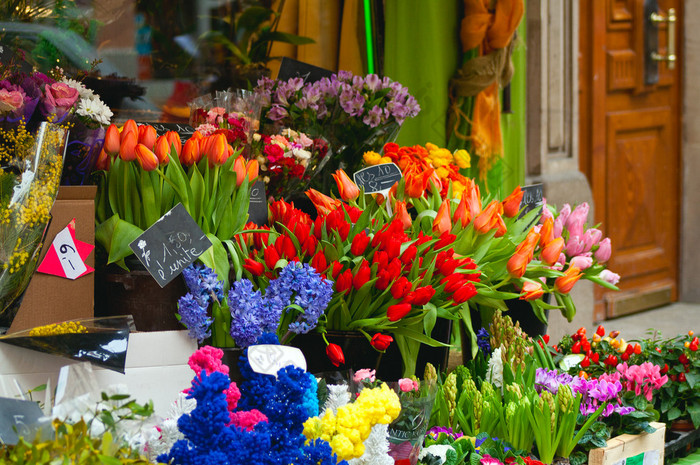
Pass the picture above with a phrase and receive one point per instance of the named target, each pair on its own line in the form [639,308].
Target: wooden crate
[632,449]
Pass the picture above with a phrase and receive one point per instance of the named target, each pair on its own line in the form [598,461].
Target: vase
[521,311]
[407,432]
[230,358]
[682,425]
[135,292]
[83,148]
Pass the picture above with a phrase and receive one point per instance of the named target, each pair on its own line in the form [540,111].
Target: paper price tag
[378,178]
[268,359]
[73,266]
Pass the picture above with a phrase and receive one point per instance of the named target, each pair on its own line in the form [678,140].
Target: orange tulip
[511,204]
[531,291]
[462,214]
[174,141]
[217,153]
[551,252]
[348,189]
[112,140]
[547,232]
[442,223]
[565,282]
[473,198]
[253,169]
[147,136]
[324,204]
[401,214]
[146,158]
[528,245]
[162,149]
[103,161]
[190,153]
[517,264]
[416,183]
[129,126]
[488,218]
[240,170]
[127,146]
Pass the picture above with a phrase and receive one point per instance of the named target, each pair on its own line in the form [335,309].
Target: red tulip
[348,190]
[343,282]
[253,267]
[409,255]
[285,247]
[146,158]
[319,262]
[421,296]
[511,204]
[217,152]
[103,161]
[336,268]
[130,126]
[271,257]
[464,293]
[400,288]
[381,341]
[359,243]
[240,170]
[362,275]
[398,311]
[335,354]
[253,169]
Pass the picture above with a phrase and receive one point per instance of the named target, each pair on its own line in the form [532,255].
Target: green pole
[368,37]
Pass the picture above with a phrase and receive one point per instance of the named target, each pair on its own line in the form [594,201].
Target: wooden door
[630,147]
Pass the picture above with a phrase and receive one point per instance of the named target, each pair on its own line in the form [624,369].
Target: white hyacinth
[494,374]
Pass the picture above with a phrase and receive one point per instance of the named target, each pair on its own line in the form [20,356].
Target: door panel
[630,150]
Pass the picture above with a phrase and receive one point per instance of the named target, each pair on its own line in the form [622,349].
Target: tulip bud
[162,150]
[381,341]
[575,221]
[511,204]
[362,275]
[401,214]
[174,142]
[610,277]
[442,223]
[552,251]
[398,311]
[319,262]
[359,244]
[400,288]
[581,262]
[253,169]
[604,251]
[103,161]
[146,158]
[112,140]
[464,293]
[240,170]
[531,291]
[462,214]
[348,190]
[127,146]
[591,238]
[566,282]
[335,354]
[130,126]
[147,136]
[253,267]
[190,154]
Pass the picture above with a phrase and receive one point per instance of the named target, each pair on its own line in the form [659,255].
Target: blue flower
[194,316]
[203,283]
[483,341]
[246,306]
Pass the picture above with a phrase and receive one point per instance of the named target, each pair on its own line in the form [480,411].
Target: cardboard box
[156,369]
[52,299]
[632,449]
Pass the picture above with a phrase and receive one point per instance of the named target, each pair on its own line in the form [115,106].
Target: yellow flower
[457,189]
[462,159]
[372,158]
[343,447]
[54,329]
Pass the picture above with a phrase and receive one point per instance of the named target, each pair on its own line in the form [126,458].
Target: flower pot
[135,292]
[520,311]
[682,425]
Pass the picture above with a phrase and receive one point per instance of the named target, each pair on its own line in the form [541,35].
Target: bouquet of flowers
[288,161]
[354,113]
[238,111]
[30,171]
[57,98]
[142,176]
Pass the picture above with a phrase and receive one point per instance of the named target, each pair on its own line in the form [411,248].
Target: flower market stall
[320,333]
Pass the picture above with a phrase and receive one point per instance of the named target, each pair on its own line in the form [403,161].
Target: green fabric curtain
[421,51]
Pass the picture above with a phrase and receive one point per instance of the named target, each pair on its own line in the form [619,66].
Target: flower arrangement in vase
[354,113]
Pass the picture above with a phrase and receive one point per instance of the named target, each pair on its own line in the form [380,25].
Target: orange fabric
[490,30]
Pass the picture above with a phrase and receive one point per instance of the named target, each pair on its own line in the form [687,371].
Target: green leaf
[673,413]
[429,318]
[107,460]
[123,234]
[692,378]
[216,258]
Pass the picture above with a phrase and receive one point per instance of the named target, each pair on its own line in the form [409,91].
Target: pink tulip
[574,246]
[604,251]
[610,277]
[575,221]
[591,238]
[582,262]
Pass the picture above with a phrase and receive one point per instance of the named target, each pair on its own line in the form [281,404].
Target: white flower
[438,450]
[494,374]
[376,448]
[338,395]
[301,154]
[83,91]
[94,109]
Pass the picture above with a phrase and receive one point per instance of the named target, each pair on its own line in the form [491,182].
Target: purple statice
[194,317]
[483,341]
[246,307]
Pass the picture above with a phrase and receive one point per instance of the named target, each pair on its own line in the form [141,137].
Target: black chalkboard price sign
[18,418]
[257,208]
[185,131]
[377,178]
[170,245]
[291,68]
[532,197]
